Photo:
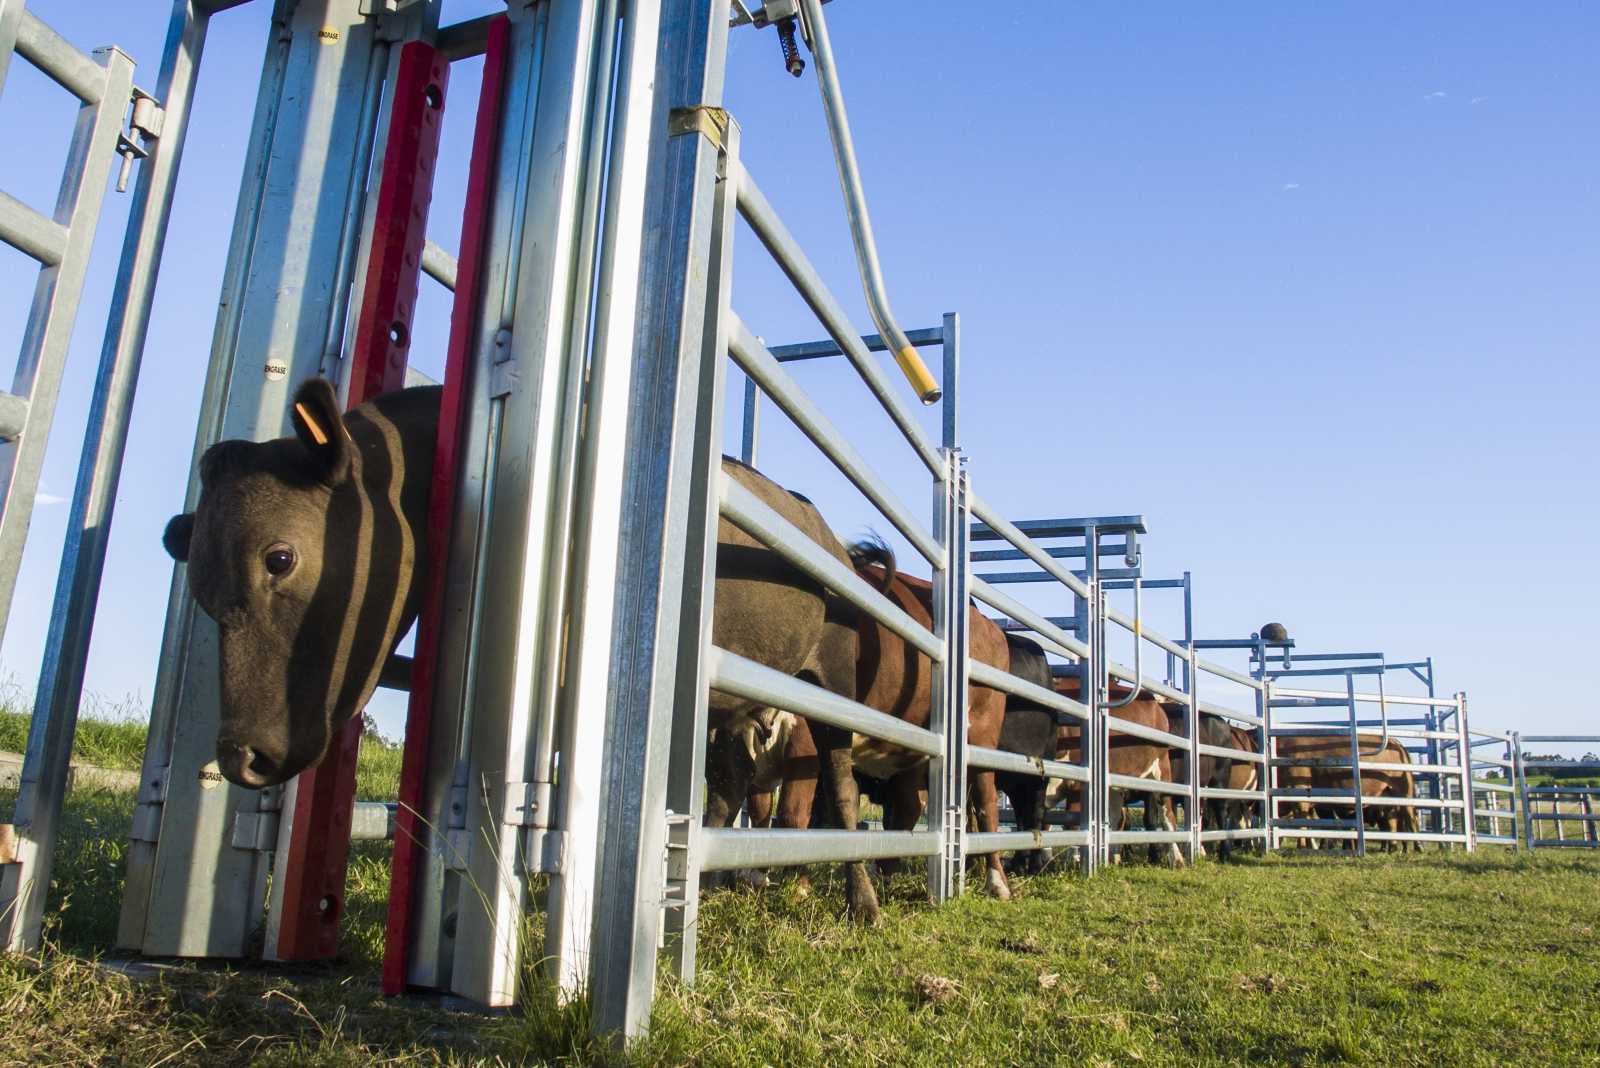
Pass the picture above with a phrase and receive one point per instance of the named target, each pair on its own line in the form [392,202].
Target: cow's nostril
[246,766]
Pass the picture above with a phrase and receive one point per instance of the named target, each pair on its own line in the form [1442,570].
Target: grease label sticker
[328,35]
[211,776]
[276,370]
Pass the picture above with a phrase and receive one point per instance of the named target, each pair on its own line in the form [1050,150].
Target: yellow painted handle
[928,390]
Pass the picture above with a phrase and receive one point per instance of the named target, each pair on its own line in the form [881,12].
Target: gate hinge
[526,804]
[144,125]
[545,851]
[152,795]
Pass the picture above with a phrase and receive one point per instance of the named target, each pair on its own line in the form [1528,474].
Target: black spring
[791,50]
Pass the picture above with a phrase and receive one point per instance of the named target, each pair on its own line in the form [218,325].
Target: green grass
[109,735]
[1432,959]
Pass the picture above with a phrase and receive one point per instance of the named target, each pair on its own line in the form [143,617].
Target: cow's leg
[1115,801]
[902,811]
[798,799]
[758,804]
[986,804]
[838,764]
[1160,806]
[728,773]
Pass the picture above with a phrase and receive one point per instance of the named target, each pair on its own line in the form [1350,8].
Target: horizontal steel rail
[1002,760]
[1160,689]
[754,359]
[981,842]
[1020,612]
[1232,754]
[1135,784]
[758,519]
[1307,730]
[1222,793]
[439,265]
[1369,698]
[987,675]
[1500,788]
[819,350]
[1225,673]
[1567,739]
[55,56]
[31,232]
[1233,834]
[1231,713]
[1118,725]
[792,260]
[1148,837]
[1566,817]
[728,849]
[733,674]
[1004,528]
[1140,629]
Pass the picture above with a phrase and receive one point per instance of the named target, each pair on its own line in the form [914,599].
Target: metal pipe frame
[42,787]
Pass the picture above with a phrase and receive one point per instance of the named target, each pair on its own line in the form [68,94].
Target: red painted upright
[463,327]
[319,845]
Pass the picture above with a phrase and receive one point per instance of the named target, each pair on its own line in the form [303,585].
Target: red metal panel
[319,845]
[463,326]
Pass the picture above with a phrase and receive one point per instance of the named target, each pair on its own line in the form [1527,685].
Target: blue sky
[1311,287]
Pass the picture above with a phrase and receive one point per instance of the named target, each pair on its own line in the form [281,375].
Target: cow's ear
[320,427]
[180,528]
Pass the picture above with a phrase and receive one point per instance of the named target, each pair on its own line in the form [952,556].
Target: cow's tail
[873,550]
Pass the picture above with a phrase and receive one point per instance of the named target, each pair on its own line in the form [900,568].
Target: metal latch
[144,125]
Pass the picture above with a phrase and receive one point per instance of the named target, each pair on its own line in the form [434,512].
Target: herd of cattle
[767,759]
[309,553]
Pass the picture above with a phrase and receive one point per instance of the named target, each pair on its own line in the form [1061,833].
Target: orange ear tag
[317,433]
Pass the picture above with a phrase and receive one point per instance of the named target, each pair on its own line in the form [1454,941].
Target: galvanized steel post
[42,788]
[947,773]
[664,501]
[1520,784]
[1469,805]
[1360,846]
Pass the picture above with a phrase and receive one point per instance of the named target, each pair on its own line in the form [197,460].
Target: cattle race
[737,719]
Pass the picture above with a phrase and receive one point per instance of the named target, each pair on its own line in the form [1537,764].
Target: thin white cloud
[1437,94]
[45,500]
[1479,99]
[1290,186]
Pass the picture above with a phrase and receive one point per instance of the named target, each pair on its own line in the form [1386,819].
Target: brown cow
[1128,755]
[894,678]
[1376,784]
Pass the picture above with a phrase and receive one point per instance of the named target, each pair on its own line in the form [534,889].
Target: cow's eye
[279,560]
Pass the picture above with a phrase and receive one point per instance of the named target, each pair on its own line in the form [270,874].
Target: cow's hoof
[861,899]
[998,887]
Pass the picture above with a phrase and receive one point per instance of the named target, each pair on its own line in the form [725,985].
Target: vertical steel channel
[201,892]
[664,511]
[60,691]
[1269,808]
[1360,847]
[1096,730]
[600,462]
[1469,820]
[948,720]
[1521,785]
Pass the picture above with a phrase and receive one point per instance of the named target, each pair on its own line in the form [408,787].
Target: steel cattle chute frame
[578,484]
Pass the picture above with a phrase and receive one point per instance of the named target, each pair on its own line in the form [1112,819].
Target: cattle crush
[556,753]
